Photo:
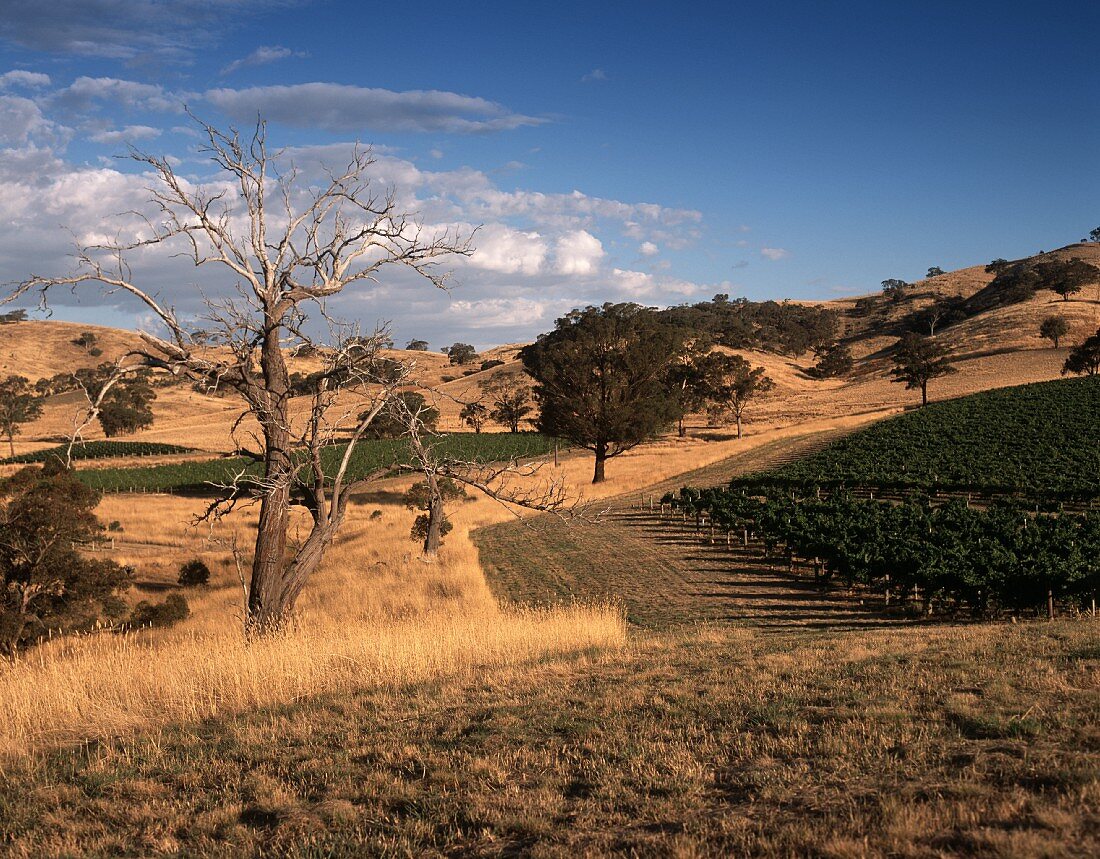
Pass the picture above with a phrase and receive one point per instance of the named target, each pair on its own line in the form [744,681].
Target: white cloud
[578,252]
[648,249]
[436,153]
[121,135]
[774,253]
[502,249]
[22,122]
[498,312]
[85,93]
[594,75]
[346,108]
[21,78]
[262,56]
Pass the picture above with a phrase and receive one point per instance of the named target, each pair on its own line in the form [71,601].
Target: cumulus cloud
[774,253]
[578,253]
[347,108]
[21,78]
[594,75]
[121,135]
[648,249]
[262,56]
[498,312]
[500,248]
[22,122]
[86,93]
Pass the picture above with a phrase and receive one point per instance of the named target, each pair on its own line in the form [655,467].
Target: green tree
[474,415]
[1054,328]
[86,341]
[894,289]
[509,402]
[461,353]
[732,383]
[1094,235]
[392,421]
[1084,360]
[934,271]
[835,362]
[417,345]
[602,379]
[48,585]
[18,405]
[127,407]
[1066,277]
[917,361]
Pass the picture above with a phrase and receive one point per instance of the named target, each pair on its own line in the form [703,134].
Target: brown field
[618,686]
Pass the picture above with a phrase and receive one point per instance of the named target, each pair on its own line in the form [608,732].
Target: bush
[168,613]
[488,365]
[194,573]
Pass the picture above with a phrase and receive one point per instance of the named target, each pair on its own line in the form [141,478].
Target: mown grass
[940,741]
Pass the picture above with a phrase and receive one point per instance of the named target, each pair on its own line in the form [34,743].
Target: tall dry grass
[375,615]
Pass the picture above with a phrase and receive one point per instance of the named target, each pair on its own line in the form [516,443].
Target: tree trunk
[738,424]
[435,522]
[271,595]
[601,458]
[924,393]
[11,444]
[680,427]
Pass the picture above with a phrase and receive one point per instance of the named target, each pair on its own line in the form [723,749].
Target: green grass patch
[369,456]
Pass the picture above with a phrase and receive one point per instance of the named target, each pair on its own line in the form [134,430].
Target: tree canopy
[917,361]
[1054,328]
[18,405]
[602,378]
[1084,360]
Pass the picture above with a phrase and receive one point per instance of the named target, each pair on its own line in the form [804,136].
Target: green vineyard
[1038,440]
[100,450]
[369,456]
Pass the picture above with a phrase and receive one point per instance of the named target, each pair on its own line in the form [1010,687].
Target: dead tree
[286,247]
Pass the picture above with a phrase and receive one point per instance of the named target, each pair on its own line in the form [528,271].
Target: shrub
[194,573]
[167,613]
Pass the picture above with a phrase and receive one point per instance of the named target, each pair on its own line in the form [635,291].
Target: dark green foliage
[167,613]
[461,353]
[1038,440]
[13,316]
[488,365]
[86,341]
[602,378]
[894,289]
[1084,360]
[418,497]
[101,450]
[474,415]
[417,345]
[997,266]
[47,584]
[934,271]
[837,361]
[917,361]
[940,313]
[19,404]
[509,402]
[1094,235]
[126,408]
[1000,558]
[1066,277]
[392,421]
[194,573]
[369,457]
[1054,328]
[772,326]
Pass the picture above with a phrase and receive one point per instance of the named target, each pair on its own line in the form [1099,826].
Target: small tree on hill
[18,405]
[1084,360]
[461,353]
[127,408]
[942,311]
[392,421]
[509,402]
[894,289]
[425,530]
[1054,328]
[474,415]
[1094,235]
[733,383]
[1066,277]
[602,379]
[997,266]
[86,341]
[918,361]
[934,271]
[48,585]
[417,345]
[835,362]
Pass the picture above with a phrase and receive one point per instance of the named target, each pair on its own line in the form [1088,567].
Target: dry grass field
[550,688]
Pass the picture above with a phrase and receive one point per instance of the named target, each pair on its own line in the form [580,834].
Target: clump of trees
[601,379]
[894,289]
[460,353]
[836,361]
[19,404]
[474,415]
[917,361]
[48,585]
[13,316]
[731,384]
[1084,360]
[944,311]
[193,573]
[509,401]
[1054,328]
[392,421]
[417,346]
[935,271]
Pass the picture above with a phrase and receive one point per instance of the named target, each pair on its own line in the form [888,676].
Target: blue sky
[621,151]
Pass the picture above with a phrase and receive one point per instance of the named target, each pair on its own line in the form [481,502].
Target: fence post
[1050,605]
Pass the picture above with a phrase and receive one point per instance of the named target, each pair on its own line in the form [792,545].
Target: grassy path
[663,573]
